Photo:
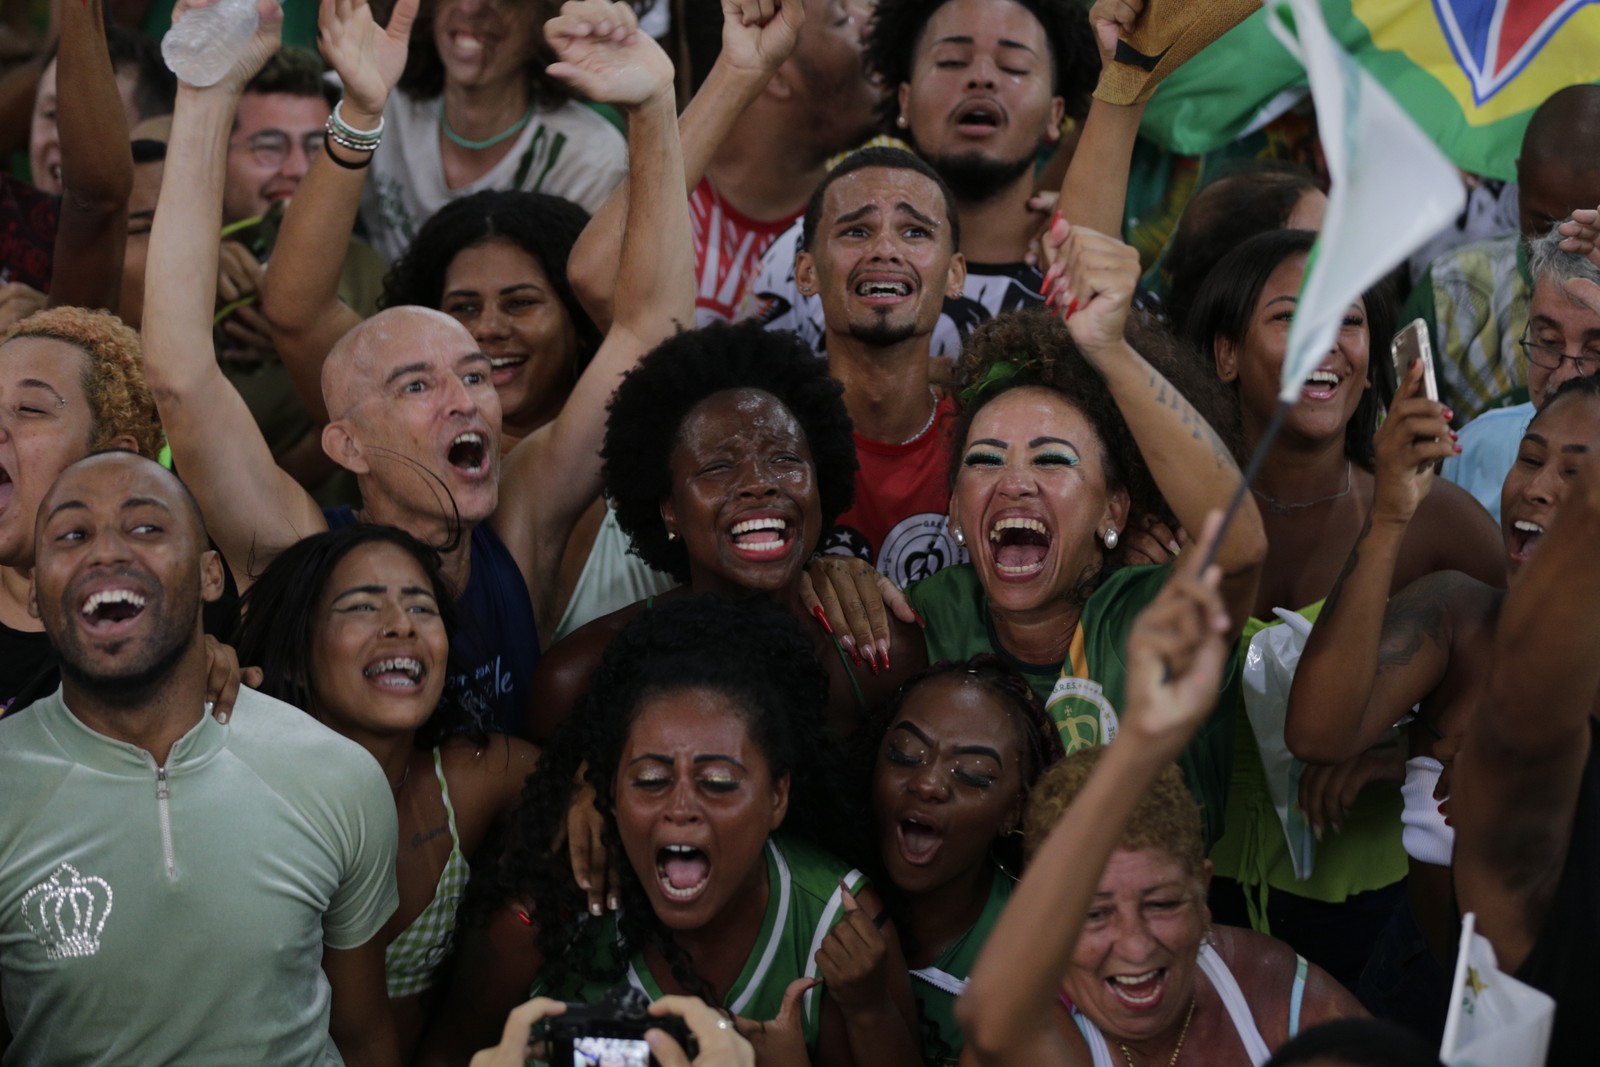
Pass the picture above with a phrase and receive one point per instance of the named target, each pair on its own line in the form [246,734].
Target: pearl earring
[1111,538]
[961,538]
[902,122]
[672,535]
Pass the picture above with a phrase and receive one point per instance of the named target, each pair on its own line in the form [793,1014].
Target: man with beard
[176,889]
[980,86]
[879,251]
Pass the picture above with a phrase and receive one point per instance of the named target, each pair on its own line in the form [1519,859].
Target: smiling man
[879,250]
[267,844]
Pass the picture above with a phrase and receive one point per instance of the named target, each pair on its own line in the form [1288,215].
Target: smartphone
[1410,345]
[597,1051]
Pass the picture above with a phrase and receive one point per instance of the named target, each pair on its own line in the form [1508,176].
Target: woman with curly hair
[1106,955]
[354,626]
[71,383]
[1069,432]
[728,454]
[962,745]
[700,740]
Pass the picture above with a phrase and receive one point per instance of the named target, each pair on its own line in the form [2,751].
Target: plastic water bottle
[203,45]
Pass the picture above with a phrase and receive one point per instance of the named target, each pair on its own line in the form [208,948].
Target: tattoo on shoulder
[1418,613]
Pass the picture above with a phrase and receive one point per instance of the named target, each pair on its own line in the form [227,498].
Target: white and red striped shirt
[727,250]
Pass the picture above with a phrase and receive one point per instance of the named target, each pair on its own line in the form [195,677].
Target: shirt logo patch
[67,913]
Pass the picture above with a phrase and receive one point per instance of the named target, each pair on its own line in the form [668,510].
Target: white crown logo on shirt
[67,913]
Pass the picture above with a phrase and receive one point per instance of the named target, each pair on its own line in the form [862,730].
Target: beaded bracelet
[337,123]
[327,150]
[355,146]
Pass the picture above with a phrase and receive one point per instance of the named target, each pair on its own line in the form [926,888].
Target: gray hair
[1547,260]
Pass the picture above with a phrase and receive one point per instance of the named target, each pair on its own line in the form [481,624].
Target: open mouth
[466,45]
[1141,991]
[1020,546]
[1320,385]
[7,486]
[881,289]
[979,117]
[468,454]
[400,672]
[108,607]
[762,538]
[918,841]
[1524,536]
[682,871]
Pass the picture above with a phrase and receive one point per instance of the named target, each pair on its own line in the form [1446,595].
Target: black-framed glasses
[1550,357]
[271,147]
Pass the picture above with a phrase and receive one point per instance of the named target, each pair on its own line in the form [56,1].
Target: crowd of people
[722,470]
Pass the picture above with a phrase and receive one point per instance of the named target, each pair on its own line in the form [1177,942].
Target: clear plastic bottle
[203,45]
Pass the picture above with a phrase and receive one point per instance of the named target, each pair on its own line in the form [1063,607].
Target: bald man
[1474,298]
[177,890]
[414,413]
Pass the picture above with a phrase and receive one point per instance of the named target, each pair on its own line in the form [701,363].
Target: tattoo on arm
[1169,397]
[1420,613]
[1350,564]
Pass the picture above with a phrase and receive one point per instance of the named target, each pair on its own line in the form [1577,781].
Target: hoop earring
[1111,538]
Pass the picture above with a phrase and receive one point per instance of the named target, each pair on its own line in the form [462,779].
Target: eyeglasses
[270,148]
[1550,358]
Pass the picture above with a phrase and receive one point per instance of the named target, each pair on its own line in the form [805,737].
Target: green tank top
[1366,855]
[803,905]
[1083,693]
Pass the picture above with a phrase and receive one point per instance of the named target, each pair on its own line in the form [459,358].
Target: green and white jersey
[937,986]
[803,904]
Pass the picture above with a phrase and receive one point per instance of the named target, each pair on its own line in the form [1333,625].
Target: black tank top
[1565,961]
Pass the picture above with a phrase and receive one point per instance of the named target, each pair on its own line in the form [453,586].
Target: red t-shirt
[727,250]
[900,521]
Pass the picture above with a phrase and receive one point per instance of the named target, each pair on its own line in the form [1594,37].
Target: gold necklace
[1187,1019]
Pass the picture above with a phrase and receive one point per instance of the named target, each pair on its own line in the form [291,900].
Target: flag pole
[1253,468]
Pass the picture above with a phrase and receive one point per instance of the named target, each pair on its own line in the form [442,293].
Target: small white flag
[1391,188]
[1494,1020]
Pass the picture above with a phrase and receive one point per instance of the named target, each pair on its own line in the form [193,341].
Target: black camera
[610,1032]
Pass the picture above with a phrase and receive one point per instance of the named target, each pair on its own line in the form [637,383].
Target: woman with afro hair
[701,741]
[728,454]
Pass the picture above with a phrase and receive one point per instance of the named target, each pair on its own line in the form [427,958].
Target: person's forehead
[1005,22]
[886,188]
[113,478]
[281,111]
[31,361]
[1550,306]
[753,410]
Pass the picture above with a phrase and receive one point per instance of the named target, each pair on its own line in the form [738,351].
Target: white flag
[1391,190]
[1495,1020]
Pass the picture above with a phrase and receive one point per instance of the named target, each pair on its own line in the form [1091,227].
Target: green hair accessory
[999,373]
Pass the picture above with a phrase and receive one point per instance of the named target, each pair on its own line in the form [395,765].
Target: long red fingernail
[527,920]
[1050,299]
[1448,414]
[822,617]
[920,620]
[1071,308]
[1055,218]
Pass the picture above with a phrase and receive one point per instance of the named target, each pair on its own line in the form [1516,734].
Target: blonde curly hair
[120,401]
[1167,819]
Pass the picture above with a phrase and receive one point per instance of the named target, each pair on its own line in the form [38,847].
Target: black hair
[423,78]
[897,26]
[281,606]
[155,88]
[1585,385]
[1356,1043]
[1260,195]
[887,159]
[544,226]
[650,404]
[1227,300]
[748,651]
[294,72]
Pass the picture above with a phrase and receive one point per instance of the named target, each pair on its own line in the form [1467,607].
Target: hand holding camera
[623,1030]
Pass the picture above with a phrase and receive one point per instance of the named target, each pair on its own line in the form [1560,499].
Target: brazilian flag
[1469,72]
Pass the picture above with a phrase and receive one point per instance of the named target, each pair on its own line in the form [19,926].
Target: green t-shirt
[937,987]
[803,904]
[183,920]
[1083,693]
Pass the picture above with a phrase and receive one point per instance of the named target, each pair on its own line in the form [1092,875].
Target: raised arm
[752,50]
[552,475]
[1092,284]
[300,295]
[1521,764]
[96,165]
[1345,688]
[1094,192]
[252,507]
[1175,658]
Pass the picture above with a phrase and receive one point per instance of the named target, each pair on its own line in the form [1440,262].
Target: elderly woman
[1049,475]
[1106,954]
[700,740]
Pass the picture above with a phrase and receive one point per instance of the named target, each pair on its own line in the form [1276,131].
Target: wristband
[327,150]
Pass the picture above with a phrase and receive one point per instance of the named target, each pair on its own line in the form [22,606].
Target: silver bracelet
[344,142]
[337,124]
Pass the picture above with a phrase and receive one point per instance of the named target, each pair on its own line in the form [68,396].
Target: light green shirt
[180,917]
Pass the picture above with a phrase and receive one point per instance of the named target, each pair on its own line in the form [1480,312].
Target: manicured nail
[1448,414]
[595,908]
[1174,547]
[1457,449]
[1050,299]
[613,902]
[883,650]
[872,660]
[583,883]
[1072,308]
[527,920]
[822,617]
[915,614]
[1055,218]
[848,643]
[856,656]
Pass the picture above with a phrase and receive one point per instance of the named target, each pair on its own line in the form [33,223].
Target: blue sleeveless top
[496,643]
